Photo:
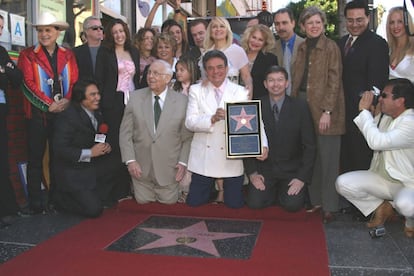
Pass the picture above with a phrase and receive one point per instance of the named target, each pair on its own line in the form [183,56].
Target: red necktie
[348,44]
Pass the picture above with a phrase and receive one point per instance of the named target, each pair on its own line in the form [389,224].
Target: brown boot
[409,231]
[383,213]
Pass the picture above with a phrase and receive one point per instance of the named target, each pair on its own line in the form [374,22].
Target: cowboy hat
[48,19]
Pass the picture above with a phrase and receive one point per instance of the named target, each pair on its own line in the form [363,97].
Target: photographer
[391,174]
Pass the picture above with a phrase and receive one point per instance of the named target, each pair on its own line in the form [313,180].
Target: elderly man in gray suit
[153,138]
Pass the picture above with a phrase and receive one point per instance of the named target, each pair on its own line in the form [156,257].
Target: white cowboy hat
[48,19]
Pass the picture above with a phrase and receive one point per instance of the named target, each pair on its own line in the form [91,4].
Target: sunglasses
[95,28]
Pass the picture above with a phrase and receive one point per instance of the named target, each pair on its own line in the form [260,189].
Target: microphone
[100,137]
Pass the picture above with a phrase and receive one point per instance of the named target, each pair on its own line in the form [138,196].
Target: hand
[177,4]
[258,181]
[264,155]
[134,169]
[100,149]
[59,106]
[324,122]
[181,170]
[366,100]
[295,186]
[220,115]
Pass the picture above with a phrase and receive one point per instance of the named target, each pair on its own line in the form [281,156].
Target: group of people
[147,114]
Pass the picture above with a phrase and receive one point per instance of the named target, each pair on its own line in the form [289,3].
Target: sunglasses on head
[95,28]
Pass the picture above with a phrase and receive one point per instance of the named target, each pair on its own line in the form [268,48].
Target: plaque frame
[243,135]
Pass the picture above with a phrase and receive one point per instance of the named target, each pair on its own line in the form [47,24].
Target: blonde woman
[257,41]
[219,36]
[401,45]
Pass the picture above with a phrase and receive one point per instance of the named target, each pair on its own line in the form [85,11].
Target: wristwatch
[327,112]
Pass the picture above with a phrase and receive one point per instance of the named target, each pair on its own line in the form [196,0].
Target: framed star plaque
[243,124]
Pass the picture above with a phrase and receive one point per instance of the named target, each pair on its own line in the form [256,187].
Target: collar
[278,102]
[222,87]
[162,95]
[291,42]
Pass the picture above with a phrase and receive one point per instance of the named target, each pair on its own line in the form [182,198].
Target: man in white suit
[391,174]
[153,139]
[205,116]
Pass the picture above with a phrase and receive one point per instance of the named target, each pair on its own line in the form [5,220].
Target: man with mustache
[288,42]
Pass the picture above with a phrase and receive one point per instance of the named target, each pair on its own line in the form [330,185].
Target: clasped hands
[59,106]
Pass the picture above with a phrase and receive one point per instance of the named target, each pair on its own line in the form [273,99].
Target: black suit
[366,65]
[78,181]
[8,74]
[292,151]
[84,61]
[260,66]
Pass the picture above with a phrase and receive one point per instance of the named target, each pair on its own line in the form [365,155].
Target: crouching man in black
[79,152]
[282,177]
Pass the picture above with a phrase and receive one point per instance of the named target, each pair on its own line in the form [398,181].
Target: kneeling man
[281,178]
[78,155]
[391,174]
[153,138]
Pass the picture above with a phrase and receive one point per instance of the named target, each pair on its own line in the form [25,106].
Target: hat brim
[59,24]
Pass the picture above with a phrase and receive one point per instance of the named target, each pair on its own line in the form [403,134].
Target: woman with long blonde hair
[401,45]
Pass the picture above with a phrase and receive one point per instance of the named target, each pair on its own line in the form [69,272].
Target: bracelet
[177,11]
[327,112]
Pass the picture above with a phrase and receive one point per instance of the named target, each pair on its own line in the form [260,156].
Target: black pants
[8,205]
[83,202]
[40,132]
[275,193]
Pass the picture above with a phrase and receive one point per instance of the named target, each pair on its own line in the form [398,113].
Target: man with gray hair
[153,138]
[86,53]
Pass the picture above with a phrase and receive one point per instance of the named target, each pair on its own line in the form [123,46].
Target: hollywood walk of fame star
[243,119]
[196,236]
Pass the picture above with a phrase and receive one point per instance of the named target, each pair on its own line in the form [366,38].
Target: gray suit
[278,51]
[158,152]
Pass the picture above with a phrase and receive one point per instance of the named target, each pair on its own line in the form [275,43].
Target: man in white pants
[391,174]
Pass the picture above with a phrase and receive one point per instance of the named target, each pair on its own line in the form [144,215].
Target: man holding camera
[391,174]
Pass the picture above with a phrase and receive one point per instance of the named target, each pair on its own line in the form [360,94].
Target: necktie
[276,112]
[94,122]
[287,57]
[218,95]
[348,45]
[157,110]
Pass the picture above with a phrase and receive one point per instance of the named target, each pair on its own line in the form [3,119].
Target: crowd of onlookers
[145,115]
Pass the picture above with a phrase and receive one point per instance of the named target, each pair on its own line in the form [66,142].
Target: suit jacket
[162,149]
[208,148]
[106,73]
[84,60]
[278,51]
[395,140]
[73,131]
[262,62]
[366,65]
[292,142]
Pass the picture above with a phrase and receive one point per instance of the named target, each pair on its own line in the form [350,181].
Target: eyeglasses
[358,21]
[95,28]
[155,73]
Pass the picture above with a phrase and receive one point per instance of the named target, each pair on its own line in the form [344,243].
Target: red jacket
[37,71]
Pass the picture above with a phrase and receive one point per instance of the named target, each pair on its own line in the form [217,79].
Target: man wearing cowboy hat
[49,72]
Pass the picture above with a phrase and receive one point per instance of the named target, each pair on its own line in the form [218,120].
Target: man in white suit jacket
[156,155]
[205,117]
[391,174]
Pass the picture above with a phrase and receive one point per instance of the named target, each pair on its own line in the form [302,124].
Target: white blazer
[208,148]
[395,141]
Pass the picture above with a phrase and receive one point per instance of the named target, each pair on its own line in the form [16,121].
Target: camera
[376,92]
[377,232]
